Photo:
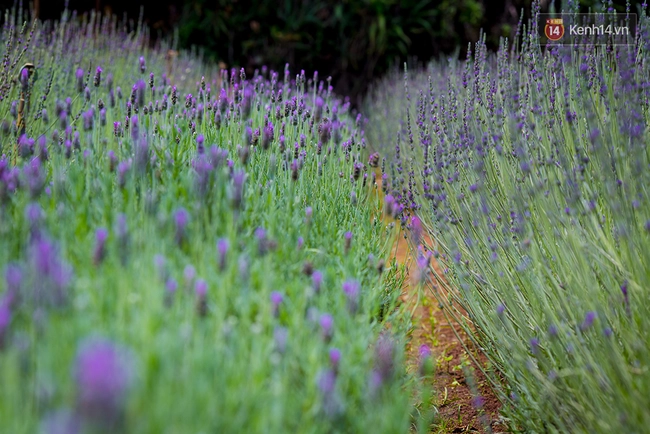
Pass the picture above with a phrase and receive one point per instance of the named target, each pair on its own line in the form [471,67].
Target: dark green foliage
[353,41]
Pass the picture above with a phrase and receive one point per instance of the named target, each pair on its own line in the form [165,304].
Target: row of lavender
[531,169]
[186,249]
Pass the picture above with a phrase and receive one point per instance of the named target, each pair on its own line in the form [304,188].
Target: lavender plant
[530,169]
[154,203]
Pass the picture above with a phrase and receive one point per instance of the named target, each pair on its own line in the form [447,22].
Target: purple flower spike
[170,289]
[416,230]
[171,286]
[189,273]
[267,136]
[280,337]
[276,301]
[201,289]
[317,280]
[13,278]
[534,346]
[159,262]
[61,422]
[424,351]
[335,358]
[351,288]
[35,177]
[327,326]
[332,406]
[200,148]
[375,382]
[327,382]
[348,241]
[385,356]
[237,194]
[103,375]
[301,242]
[181,219]
[588,321]
[34,214]
[422,262]
[79,74]
[5,318]
[51,275]
[626,299]
[308,213]
[142,65]
[101,235]
[222,249]
[425,359]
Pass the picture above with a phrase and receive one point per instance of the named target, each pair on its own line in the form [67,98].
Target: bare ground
[456,404]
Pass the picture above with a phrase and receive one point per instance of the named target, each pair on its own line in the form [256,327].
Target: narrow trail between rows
[457,406]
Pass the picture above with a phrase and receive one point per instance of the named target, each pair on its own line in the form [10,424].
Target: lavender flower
[159,263]
[181,219]
[79,74]
[5,318]
[416,230]
[170,289]
[201,289]
[300,243]
[34,215]
[276,301]
[13,279]
[348,241]
[332,406]
[351,289]
[316,280]
[123,168]
[267,136]
[222,249]
[100,246]
[103,374]
[237,191]
[588,321]
[51,277]
[423,261]
[326,322]
[425,360]
[280,337]
[62,421]
[243,268]
[189,274]
[385,352]
[335,359]
[35,177]
[200,148]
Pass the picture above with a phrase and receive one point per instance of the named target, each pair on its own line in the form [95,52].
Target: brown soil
[454,400]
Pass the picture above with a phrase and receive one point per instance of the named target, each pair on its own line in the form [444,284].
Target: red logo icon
[554,29]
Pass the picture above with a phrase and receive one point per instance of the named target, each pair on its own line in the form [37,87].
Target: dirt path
[455,401]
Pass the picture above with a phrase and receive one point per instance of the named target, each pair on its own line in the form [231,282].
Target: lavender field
[187,249]
[190,249]
[530,168]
